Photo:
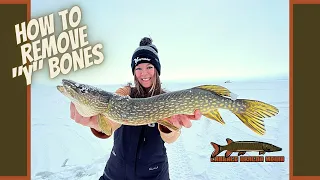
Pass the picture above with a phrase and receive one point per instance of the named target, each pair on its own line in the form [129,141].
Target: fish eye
[83,89]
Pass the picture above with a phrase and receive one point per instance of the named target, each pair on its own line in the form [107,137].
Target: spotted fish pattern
[90,101]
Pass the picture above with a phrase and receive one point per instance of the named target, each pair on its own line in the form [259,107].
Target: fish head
[85,95]
[270,147]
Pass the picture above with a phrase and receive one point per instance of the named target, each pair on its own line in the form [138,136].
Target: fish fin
[220,90]
[261,152]
[216,149]
[229,141]
[254,113]
[104,125]
[214,115]
[168,125]
[241,153]
[228,153]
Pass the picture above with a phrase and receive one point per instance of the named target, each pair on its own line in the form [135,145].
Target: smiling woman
[144,72]
[138,151]
[146,68]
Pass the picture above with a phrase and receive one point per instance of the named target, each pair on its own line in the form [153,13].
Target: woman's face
[145,72]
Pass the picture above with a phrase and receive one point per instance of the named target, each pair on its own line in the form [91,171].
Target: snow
[62,149]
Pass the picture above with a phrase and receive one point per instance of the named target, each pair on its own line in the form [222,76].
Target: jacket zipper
[144,133]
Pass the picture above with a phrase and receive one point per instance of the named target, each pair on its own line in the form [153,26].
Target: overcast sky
[197,40]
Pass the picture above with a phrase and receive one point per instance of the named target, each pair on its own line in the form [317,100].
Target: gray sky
[197,40]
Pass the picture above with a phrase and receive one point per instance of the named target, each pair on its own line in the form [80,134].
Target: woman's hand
[91,122]
[185,120]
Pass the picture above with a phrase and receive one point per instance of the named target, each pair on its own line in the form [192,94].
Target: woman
[138,151]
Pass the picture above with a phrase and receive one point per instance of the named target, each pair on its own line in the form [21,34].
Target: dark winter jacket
[138,153]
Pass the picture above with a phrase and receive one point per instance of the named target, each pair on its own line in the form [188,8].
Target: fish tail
[216,151]
[253,114]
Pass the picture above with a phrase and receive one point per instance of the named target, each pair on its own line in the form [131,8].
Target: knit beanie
[146,53]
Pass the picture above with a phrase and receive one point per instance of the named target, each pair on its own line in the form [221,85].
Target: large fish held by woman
[90,101]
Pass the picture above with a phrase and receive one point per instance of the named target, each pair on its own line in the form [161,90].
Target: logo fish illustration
[242,147]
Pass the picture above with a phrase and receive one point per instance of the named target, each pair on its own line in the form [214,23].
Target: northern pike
[90,101]
[242,147]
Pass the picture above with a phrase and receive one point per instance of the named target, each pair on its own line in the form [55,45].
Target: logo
[153,168]
[137,59]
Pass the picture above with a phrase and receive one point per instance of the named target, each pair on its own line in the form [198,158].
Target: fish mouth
[68,88]
[61,89]
[276,149]
[69,84]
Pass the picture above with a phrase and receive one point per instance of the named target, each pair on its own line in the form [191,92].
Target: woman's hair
[138,91]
